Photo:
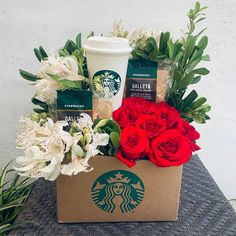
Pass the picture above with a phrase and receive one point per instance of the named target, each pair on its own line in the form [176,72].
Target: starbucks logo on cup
[117,191]
[106,83]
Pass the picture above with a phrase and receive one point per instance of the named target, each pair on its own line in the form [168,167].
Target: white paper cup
[107,61]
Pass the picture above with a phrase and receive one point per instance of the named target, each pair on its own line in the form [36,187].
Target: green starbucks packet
[147,79]
[71,103]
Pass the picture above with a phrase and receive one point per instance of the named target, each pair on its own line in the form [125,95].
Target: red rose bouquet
[154,131]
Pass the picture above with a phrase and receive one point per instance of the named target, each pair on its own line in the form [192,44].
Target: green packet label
[71,103]
[141,79]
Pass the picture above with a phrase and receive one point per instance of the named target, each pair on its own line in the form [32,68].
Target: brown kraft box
[113,192]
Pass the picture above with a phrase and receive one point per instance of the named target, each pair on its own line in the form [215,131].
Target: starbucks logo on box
[106,83]
[117,191]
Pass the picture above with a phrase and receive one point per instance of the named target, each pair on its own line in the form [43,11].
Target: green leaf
[199,118]
[189,47]
[37,102]
[203,42]
[151,48]
[43,53]
[171,48]
[28,76]
[201,19]
[68,84]
[207,117]
[115,139]
[197,6]
[197,35]
[198,102]
[177,77]
[37,54]
[163,42]
[201,71]
[196,79]
[78,41]
[38,110]
[70,46]
[203,108]
[206,58]
[101,123]
[63,52]
[187,101]
[192,65]
[187,80]
[54,77]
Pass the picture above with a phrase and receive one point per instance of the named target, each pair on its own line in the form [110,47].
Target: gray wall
[25,24]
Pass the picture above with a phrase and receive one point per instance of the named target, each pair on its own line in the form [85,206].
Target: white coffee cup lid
[108,45]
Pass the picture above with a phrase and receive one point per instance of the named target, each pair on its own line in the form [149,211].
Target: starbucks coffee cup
[107,61]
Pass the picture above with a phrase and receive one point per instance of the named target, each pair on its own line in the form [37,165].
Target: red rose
[134,145]
[151,124]
[124,116]
[140,105]
[170,148]
[188,130]
[167,113]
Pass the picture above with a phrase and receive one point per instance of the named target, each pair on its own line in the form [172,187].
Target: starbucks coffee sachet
[147,79]
[71,103]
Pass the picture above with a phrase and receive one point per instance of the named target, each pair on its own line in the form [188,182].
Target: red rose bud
[153,125]
[134,145]
[170,148]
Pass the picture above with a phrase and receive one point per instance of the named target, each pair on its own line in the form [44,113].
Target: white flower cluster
[47,146]
[65,68]
[134,36]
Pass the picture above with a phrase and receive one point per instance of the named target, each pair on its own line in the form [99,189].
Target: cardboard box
[113,192]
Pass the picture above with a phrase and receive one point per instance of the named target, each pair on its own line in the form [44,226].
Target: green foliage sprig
[185,73]
[13,194]
[185,54]
[113,130]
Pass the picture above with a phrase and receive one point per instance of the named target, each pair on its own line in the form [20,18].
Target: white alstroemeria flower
[119,29]
[140,35]
[98,140]
[53,170]
[53,139]
[65,67]
[31,163]
[78,163]
[76,166]
[85,121]
[46,90]
[26,136]
[46,149]
[77,150]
